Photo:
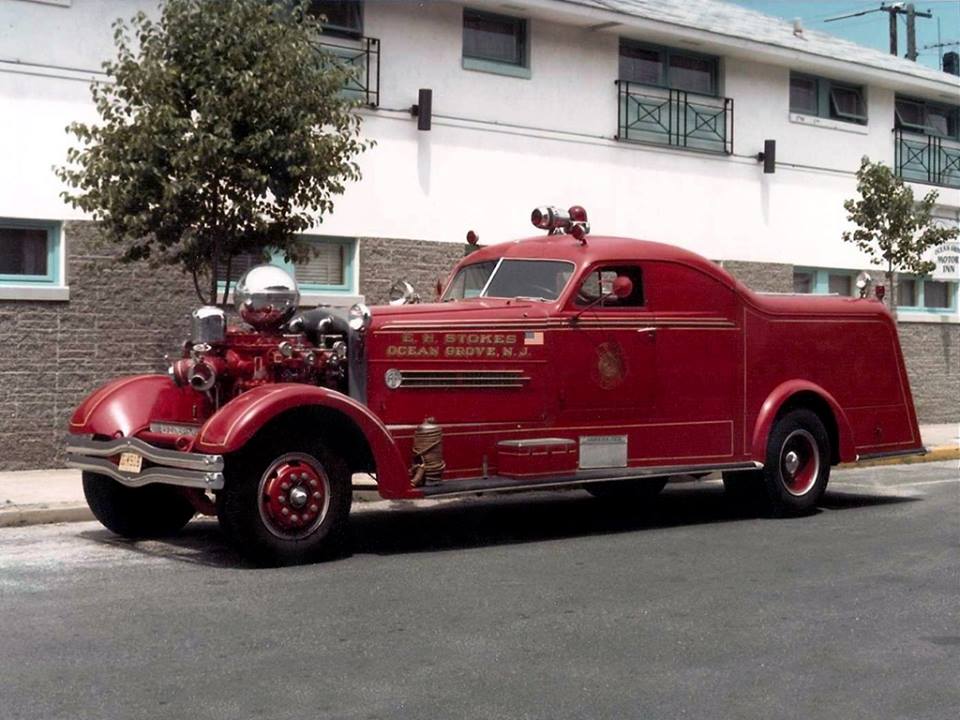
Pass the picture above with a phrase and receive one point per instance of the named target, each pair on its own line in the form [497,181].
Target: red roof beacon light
[579,231]
[880,291]
[579,227]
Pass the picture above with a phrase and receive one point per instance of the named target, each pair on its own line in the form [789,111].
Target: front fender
[781,394]
[127,405]
[240,419]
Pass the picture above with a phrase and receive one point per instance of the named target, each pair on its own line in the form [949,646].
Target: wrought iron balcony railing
[926,158]
[674,117]
[362,58]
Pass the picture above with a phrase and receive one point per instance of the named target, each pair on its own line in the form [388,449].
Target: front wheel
[286,500]
[143,512]
[798,463]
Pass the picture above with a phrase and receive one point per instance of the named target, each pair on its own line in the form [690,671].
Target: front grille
[463,379]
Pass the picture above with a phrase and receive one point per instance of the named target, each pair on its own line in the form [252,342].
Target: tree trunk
[891,292]
[196,285]
[214,266]
[226,282]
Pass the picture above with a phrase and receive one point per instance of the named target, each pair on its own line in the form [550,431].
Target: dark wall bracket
[423,110]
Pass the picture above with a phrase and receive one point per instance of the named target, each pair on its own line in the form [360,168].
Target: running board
[499,483]
[892,454]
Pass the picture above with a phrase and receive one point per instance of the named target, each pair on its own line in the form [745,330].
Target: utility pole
[893,10]
[893,29]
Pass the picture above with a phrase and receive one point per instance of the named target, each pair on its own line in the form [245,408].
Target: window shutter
[326,266]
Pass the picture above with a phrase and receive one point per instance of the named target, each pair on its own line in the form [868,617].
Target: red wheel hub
[294,495]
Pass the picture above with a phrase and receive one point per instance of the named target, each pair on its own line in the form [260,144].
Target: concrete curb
[365,492]
[49,513]
[20,515]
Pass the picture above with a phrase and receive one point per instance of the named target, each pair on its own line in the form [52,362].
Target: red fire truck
[565,359]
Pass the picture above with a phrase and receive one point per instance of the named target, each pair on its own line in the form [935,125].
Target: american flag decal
[533,338]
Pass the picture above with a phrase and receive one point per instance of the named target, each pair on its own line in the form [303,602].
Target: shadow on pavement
[492,521]
[199,543]
[527,518]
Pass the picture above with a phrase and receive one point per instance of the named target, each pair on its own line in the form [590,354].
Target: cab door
[606,352]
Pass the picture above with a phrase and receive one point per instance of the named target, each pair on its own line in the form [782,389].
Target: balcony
[362,58]
[927,158]
[674,117]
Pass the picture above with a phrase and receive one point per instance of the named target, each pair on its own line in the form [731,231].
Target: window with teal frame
[329,270]
[824,281]
[925,295]
[29,252]
[668,67]
[811,95]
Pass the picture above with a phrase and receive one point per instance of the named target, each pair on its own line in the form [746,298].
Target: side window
[598,284]
[340,17]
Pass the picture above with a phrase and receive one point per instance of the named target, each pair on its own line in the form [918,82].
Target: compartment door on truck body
[698,402]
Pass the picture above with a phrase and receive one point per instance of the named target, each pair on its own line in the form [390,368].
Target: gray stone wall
[120,320]
[932,354]
[930,350]
[383,261]
[762,277]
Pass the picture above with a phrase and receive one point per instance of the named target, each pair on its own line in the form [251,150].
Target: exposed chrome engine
[223,361]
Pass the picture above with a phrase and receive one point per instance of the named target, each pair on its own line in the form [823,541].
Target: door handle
[647,330]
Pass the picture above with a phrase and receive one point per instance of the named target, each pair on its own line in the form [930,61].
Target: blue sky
[872,29]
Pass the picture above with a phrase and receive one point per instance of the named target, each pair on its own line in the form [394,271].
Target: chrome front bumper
[171,467]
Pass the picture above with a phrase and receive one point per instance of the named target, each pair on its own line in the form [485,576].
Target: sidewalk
[34,497]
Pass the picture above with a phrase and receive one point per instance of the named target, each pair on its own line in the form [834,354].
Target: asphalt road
[537,606]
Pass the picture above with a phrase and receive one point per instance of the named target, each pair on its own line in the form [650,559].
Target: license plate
[130,462]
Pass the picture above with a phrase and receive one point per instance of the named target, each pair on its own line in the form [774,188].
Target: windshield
[540,279]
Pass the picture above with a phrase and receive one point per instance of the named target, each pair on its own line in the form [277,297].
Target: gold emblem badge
[611,365]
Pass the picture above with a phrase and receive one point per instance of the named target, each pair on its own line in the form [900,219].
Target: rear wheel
[286,500]
[143,512]
[628,490]
[798,463]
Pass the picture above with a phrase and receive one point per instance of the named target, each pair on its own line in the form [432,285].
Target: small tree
[223,131]
[893,229]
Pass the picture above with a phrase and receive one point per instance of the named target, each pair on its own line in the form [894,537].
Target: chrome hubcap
[791,462]
[799,462]
[298,497]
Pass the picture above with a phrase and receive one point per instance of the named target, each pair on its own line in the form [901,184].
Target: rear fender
[125,407]
[239,420]
[782,395]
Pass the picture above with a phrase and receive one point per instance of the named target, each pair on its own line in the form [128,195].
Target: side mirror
[622,287]
[438,288]
[402,293]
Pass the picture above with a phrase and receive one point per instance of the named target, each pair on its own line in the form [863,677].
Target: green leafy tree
[223,131]
[893,229]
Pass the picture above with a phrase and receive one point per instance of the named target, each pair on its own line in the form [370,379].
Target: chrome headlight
[208,326]
[359,317]
[266,297]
